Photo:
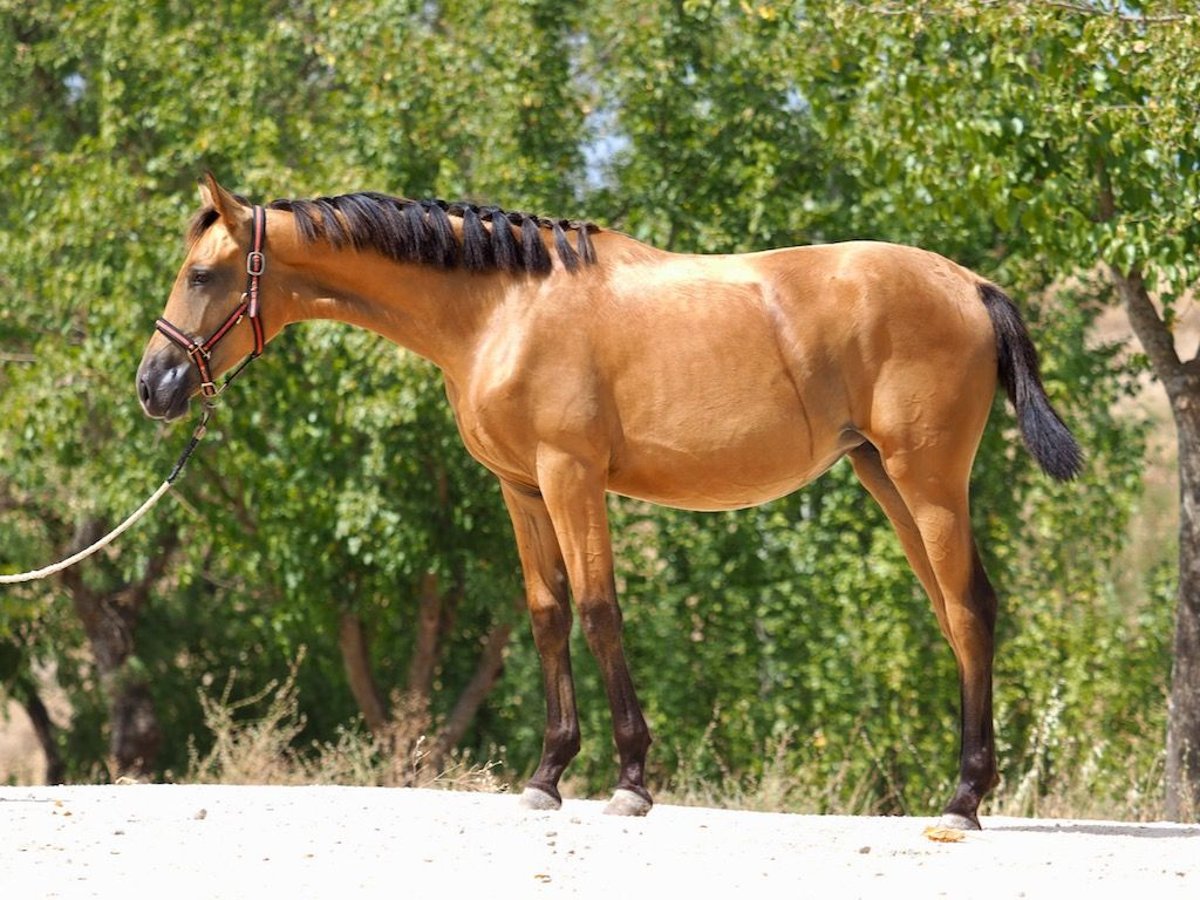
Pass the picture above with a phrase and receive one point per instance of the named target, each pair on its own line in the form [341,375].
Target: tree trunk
[1183,703]
[1182,383]
[433,617]
[491,664]
[356,657]
[134,735]
[39,717]
[428,638]
[109,620]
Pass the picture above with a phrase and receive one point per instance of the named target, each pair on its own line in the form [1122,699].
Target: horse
[579,361]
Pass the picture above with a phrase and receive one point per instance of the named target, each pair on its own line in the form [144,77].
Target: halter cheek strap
[200,351]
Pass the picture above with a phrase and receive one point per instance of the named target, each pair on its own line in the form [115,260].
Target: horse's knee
[551,625]
[601,623]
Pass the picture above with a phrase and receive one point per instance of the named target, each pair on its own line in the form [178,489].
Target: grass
[254,741]
[1057,774]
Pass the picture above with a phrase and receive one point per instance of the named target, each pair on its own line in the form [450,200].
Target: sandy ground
[329,842]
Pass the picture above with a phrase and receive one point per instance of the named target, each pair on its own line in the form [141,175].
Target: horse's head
[216,289]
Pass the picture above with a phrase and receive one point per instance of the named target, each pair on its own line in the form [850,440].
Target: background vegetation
[334,538]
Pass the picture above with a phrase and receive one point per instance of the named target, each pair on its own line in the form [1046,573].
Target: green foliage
[1063,133]
[335,480]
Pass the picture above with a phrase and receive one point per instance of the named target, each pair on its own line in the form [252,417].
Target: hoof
[538,800]
[960,822]
[627,803]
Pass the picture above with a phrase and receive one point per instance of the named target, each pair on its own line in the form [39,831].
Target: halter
[198,351]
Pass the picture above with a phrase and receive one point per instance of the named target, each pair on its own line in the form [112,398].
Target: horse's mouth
[166,394]
[176,410]
[168,412]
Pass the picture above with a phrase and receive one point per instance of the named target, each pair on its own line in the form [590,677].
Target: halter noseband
[198,351]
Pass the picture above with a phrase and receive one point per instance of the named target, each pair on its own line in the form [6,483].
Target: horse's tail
[1044,433]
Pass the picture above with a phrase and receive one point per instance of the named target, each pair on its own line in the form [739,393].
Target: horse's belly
[723,469]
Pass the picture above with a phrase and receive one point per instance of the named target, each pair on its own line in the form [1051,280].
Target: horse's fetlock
[563,743]
[979,771]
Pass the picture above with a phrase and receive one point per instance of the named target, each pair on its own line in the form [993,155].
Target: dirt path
[330,842]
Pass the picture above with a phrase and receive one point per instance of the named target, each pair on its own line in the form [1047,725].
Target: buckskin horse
[578,360]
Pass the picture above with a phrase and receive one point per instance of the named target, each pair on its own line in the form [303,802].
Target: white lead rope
[88,551]
[197,435]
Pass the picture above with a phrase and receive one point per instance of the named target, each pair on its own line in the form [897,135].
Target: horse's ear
[228,207]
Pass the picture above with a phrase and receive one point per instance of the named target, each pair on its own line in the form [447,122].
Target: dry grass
[797,776]
[262,748]
[1084,776]
[1103,782]
[1061,775]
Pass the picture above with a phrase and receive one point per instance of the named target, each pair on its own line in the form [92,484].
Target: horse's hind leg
[869,469]
[926,499]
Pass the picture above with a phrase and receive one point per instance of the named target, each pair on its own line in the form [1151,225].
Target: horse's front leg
[550,617]
[574,494]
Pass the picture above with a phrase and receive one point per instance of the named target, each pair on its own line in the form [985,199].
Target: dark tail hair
[1044,433]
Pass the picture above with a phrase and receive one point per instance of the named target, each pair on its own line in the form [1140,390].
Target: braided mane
[420,231]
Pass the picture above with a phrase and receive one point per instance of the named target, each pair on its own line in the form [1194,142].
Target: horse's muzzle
[164,388]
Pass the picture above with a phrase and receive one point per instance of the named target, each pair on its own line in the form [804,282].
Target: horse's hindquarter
[912,342]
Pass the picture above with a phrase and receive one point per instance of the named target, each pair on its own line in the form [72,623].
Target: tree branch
[1132,18]
[139,591]
[43,728]
[429,627]
[1155,337]
[352,641]
[1115,13]
[491,664]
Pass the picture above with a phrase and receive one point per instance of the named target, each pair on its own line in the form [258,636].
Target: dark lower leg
[602,627]
[977,753]
[977,758]
[550,617]
[629,729]
[551,628]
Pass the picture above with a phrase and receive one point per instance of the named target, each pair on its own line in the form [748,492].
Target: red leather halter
[198,351]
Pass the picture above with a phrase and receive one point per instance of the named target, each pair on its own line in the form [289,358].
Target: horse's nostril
[143,390]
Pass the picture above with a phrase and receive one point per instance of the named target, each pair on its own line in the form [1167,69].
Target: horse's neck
[441,314]
[433,312]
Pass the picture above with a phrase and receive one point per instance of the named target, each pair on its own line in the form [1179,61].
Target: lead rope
[192,444]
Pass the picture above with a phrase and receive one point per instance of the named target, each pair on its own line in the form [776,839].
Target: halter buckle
[256,263]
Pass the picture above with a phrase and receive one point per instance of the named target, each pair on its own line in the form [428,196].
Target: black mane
[420,231]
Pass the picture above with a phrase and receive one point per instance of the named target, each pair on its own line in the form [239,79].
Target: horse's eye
[199,277]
